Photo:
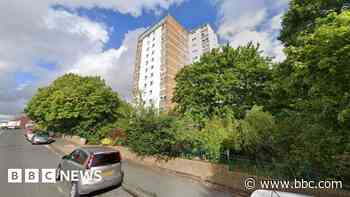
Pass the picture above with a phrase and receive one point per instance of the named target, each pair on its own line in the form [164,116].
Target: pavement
[140,181]
[16,152]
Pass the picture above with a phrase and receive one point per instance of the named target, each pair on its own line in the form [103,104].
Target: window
[195,51]
[106,158]
[152,59]
[150,92]
[146,62]
[154,38]
[151,83]
[78,156]
[74,155]
[146,69]
[147,49]
[193,39]
[146,77]
[147,55]
[153,45]
[152,52]
[82,157]
[150,101]
[152,67]
[145,85]
[151,74]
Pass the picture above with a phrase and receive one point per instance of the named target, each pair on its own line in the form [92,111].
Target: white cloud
[276,22]
[68,23]
[243,21]
[114,65]
[133,7]
[35,32]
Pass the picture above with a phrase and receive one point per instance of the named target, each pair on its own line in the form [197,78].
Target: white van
[3,125]
[13,124]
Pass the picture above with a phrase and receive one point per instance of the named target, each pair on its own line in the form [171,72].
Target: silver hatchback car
[106,161]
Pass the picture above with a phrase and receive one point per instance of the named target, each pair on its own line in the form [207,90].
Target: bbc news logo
[49,175]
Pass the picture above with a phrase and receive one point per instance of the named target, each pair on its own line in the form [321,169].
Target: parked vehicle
[13,124]
[28,131]
[90,159]
[41,138]
[3,125]
[271,193]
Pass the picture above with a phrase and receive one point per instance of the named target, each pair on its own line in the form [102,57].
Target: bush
[106,141]
[210,140]
[151,134]
[257,130]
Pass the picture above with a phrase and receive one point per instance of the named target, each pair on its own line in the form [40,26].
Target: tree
[302,14]
[314,82]
[257,130]
[321,66]
[74,104]
[224,82]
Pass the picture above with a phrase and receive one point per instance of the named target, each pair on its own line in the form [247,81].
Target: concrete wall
[200,170]
[74,139]
[215,174]
[205,172]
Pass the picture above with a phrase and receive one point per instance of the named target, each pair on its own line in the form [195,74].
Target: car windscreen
[102,159]
[42,136]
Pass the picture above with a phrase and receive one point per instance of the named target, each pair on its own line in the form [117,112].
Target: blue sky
[44,39]
[121,23]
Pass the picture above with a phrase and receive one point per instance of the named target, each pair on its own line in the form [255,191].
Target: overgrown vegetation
[75,105]
[233,103]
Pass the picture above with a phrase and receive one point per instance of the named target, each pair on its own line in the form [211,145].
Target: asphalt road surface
[16,152]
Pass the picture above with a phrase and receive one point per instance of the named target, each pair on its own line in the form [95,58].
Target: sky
[44,39]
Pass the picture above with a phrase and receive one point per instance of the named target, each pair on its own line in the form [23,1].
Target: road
[16,152]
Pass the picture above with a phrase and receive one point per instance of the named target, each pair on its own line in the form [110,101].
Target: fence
[277,170]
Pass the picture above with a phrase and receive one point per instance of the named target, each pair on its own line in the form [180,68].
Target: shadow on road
[100,192]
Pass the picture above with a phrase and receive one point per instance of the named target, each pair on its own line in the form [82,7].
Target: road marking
[2,132]
[52,150]
[60,189]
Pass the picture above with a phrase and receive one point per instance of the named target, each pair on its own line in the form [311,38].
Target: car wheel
[74,190]
[58,173]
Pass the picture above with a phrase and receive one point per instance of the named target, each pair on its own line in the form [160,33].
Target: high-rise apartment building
[201,40]
[162,51]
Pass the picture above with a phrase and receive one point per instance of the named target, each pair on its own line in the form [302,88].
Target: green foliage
[107,141]
[311,97]
[233,102]
[223,83]
[75,105]
[257,130]
[151,134]
[320,65]
[302,15]
[211,138]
